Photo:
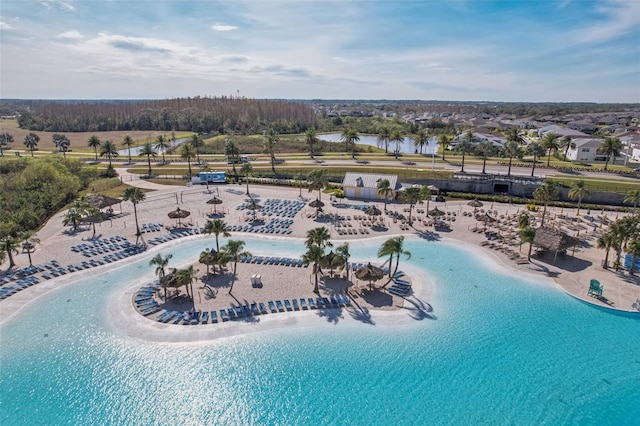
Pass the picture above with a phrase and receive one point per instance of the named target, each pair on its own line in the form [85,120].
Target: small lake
[406,148]
[135,151]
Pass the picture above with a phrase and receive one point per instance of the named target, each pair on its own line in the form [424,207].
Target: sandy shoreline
[571,273]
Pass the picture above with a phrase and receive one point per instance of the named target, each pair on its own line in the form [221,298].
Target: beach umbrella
[253,206]
[100,201]
[475,203]
[179,214]
[369,273]
[316,204]
[436,212]
[215,201]
[373,211]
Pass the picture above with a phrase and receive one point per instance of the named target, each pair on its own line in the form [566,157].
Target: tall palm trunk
[462,170]
[135,215]
[533,168]
[315,288]
[484,164]
[149,163]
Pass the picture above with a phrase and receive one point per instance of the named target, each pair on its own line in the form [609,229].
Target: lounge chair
[272,306]
[294,302]
[279,305]
[223,315]
[263,309]
[287,304]
[312,303]
[303,303]
[214,317]
[205,317]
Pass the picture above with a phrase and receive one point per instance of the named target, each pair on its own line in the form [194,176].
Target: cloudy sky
[563,50]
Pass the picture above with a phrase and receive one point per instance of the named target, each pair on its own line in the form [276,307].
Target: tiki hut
[553,240]
[179,214]
[102,201]
[369,273]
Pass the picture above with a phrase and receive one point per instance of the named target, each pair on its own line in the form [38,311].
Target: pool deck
[571,272]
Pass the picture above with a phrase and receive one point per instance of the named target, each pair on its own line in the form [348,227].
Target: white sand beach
[571,272]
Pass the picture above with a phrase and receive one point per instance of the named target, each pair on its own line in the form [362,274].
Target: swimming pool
[495,349]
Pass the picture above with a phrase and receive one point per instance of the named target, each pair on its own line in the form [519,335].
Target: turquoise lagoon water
[496,350]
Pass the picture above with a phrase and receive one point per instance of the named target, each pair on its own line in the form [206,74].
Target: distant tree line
[199,114]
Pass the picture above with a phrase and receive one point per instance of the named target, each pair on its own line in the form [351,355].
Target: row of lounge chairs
[151,227]
[97,250]
[259,229]
[21,284]
[269,260]
[400,286]
[102,243]
[354,231]
[282,208]
[147,307]
[185,232]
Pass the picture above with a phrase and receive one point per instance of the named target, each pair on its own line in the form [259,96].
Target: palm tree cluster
[82,211]
[623,235]
[393,247]
[316,242]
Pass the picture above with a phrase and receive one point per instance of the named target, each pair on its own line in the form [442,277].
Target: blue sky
[560,51]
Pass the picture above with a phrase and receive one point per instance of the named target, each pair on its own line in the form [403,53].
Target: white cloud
[70,35]
[49,4]
[5,26]
[618,18]
[223,27]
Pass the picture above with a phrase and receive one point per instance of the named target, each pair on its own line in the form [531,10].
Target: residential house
[584,149]
[365,185]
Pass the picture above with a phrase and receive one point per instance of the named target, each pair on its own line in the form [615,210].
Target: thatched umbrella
[373,211]
[486,218]
[102,201]
[553,239]
[178,213]
[369,273]
[215,201]
[253,206]
[475,203]
[316,204]
[436,212]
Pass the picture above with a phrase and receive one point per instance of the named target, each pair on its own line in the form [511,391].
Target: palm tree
[465,146]
[148,150]
[246,170]
[546,192]
[186,153]
[128,142]
[299,180]
[524,220]
[162,144]
[209,257]
[29,242]
[485,149]
[420,139]
[611,148]
[62,143]
[350,137]
[186,277]
[384,190]
[161,262]
[527,234]
[444,141]
[5,140]
[384,134]
[393,246]
[311,138]
[634,250]
[343,251]
[235,250]
[514,134]
[31,142]
[633,196]
[135,195]
[607,241]
[511,149]
[411,195]
[270,143]
[73,217]
[216,227]
[396,136]
[538,151]
[9,246]
[318,236]
[578,191]
[94,142]
[317,180]
[550,144]
[197,142]
[232,152]
[314,255]
[566,143]
[108,149]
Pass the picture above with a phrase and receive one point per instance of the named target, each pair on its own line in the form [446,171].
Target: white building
[560,131]
[584,149]
[365,185]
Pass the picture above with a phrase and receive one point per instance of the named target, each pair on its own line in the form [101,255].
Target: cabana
[553,240]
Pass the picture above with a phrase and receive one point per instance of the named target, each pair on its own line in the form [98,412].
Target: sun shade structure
[316,204]
[369,273]
[215,201]
[475,203]
[436,212]
[373,211]
[554,240]
[179,214]
[102,201]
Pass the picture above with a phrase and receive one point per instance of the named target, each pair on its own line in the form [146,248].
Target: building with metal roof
[365,185]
